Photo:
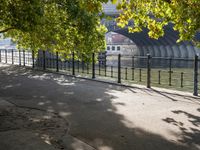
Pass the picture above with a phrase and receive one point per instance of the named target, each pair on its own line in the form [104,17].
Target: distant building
[6,43]
[119,44]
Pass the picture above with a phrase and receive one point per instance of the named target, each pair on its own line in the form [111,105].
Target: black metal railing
[167,72]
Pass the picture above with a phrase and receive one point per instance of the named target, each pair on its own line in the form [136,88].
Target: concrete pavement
[60,112]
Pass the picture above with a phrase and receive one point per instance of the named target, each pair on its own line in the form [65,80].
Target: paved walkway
[45,111]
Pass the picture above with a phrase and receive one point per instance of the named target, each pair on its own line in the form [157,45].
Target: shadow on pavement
[88,107]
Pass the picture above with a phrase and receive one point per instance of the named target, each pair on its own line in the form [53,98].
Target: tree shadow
[175,96]
[88,106]
[189,135]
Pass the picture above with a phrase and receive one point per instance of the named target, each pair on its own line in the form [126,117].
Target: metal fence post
[195,75]
[133,68]
[133,63]
[33,61]
[57,65]
[6,56]
[19,57]
[111,71]
[78,67]
[159,76]
[93,66]
[140,75]
[170,71]
[44,60]
[88,68]
[105,63]
[12,57]
[126,73]
[82,63]
[38,60]
[24,57]
[73,64]
[148,71]
[99,68]
[182,79]
[0,55]
[119,68]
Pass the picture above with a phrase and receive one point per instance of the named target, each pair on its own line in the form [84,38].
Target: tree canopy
[155,14]
[55,25]
[74,25]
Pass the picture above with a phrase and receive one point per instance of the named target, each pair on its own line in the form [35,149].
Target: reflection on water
[141,62]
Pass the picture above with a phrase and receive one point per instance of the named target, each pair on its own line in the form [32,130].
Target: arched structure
[165,46]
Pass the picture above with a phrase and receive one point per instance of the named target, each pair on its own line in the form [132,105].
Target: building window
[118,48]
[113,48]
[108,48]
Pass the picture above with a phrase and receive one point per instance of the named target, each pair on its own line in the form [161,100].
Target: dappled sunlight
[31,124]
[105,148]
[47,139]
[101,116]
[50,109]
[64,114]
[10,86]
[41,103]
[189,127]
[99,100]
[139,113]
[69,93]
[61,83]
[39,77]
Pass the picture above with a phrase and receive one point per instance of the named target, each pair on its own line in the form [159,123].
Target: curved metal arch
[166,43]
[142,39]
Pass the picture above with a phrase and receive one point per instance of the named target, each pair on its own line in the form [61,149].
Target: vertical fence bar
[19,57]
[33,59]
[47,61]
[93,65]
[87,67]
[38,60]
[133,68]
[65,64]
[133,73]
[133,62]
[140,75]
[57,65]
[181,79]
[170,71]
[28,58]
[78,67]
[24,63]
[44,60]
[12,57]
[195,75]
[50,60]
[73,64]
[159,76]
[82,64]
[105,65]
[111,71]
[105,69]
[148,71]
[126,73]
[0,55]
[119,68]
[6,56]
[99,68]
[68,62]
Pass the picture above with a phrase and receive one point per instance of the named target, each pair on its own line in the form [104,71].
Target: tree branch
[168,1]
[5,30]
